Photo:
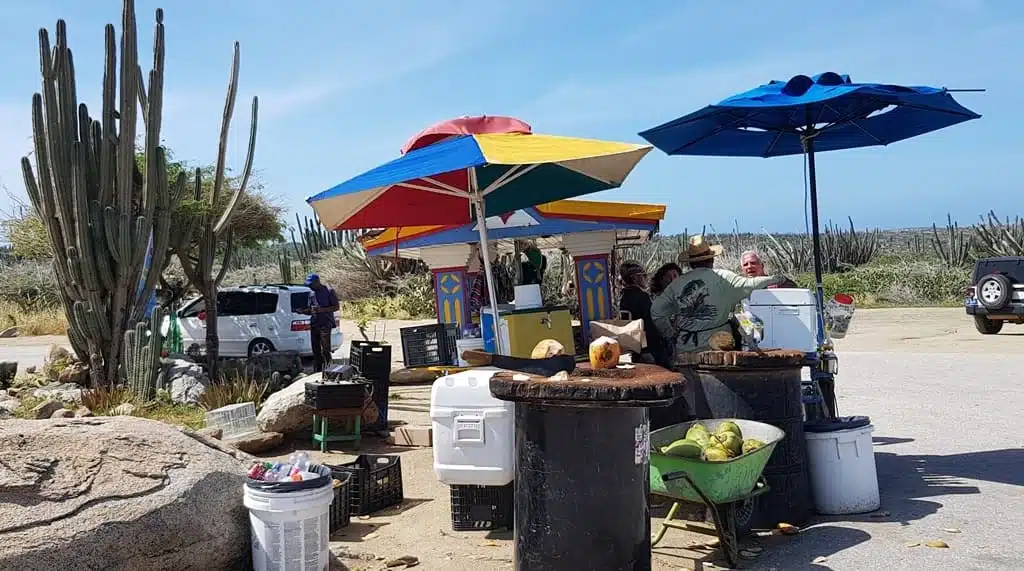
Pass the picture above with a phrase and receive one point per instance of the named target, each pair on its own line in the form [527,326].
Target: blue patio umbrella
[827,112]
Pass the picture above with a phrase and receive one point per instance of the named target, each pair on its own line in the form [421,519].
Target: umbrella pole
[478,206]
[815,237]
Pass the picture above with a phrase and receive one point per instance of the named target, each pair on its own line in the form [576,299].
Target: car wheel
[994,291]
[987,326]
[260,346]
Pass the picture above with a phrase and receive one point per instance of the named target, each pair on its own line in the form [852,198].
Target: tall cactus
[99,208]
[953,247]
[142,347]
[284,263]
[198,238]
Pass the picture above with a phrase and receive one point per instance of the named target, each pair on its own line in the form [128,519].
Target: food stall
[588,230]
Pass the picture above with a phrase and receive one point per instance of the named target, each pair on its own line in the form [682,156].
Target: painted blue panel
[593,278]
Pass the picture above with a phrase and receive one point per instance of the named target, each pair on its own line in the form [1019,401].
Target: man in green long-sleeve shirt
[700,302]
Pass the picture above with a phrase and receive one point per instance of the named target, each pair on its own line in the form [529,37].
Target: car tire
[260,346]
[987,326]
[994,291]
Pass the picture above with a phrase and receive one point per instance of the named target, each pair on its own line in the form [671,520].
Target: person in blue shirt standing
[323,304]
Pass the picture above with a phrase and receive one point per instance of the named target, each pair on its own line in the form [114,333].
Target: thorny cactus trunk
[99,209]
[142,347]
[199,229]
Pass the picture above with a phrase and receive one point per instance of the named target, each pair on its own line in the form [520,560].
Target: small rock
[952,530]
[75,373]
[46,409]
[8,405]
[83,412]
[63,413]
[185,380]
[257,443]
[937,543]
[405,560]
[31,369]
[65,392]
[214,433]
[123,409]
[820,559]
[10,332]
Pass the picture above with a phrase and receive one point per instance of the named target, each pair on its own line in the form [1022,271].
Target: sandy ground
[949,446]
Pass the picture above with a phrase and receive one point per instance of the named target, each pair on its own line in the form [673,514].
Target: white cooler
[789,316]
[473,431]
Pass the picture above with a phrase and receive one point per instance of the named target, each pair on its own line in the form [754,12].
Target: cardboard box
[411,436]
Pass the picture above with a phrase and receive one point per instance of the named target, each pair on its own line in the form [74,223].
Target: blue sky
[343,84]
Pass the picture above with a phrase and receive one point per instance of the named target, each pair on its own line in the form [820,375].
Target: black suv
[997,293]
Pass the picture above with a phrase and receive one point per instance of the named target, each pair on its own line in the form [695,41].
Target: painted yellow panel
[527,329]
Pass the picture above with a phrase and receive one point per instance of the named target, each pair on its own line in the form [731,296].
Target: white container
[528,297]
[234,420]
[838,313]
[789,316]
[843,475]
[473,431]
[290,530]
[466,345]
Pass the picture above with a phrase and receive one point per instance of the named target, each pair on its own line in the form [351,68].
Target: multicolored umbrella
[503,172]
[477,167]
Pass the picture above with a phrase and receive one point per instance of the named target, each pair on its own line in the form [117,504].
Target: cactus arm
[226,263]
[236,196]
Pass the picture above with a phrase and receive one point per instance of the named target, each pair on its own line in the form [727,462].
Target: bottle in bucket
[838,313]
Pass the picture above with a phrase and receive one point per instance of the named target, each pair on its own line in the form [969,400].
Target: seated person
[636,302]
[753,267]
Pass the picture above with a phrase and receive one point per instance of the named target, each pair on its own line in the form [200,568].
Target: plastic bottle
[301,461]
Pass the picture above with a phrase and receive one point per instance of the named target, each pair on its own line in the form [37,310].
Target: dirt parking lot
[946,405]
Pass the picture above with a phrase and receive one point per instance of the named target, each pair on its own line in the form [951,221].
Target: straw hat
[698,250]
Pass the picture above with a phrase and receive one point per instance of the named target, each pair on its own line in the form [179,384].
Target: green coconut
[683,448]
[729,426]
[699,434]
[751,444]
[715,454]
[732,443]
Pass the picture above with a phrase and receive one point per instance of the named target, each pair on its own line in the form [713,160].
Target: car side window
[233,303]
[300,300]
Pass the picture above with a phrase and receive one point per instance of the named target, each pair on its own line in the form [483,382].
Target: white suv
[254,319]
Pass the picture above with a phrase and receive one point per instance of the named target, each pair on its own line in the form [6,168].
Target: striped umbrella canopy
[475,169]
[440,183]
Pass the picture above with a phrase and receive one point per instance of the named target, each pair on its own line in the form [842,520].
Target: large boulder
[286,410]
[119,493]
[185,380]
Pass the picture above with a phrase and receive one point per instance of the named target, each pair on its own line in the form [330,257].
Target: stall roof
[632,223]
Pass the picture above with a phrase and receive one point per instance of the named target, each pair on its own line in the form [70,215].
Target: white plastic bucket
[290,531]
[843,475]
[528,297]
[838,313]
[465,345]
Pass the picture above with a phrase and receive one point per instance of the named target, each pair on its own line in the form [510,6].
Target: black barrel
[771,394]
[582,478]
[569,515]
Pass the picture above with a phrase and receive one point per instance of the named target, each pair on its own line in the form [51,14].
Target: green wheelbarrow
[728,488]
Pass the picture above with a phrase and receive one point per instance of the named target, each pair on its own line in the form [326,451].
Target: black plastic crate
[376,483]
[482,507]
[340,513]
[381,394]
[429,345]
[371,358]
[322,395]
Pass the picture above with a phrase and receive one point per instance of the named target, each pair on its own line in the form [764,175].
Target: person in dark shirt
[323,304]
[533,267]
[637,303]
